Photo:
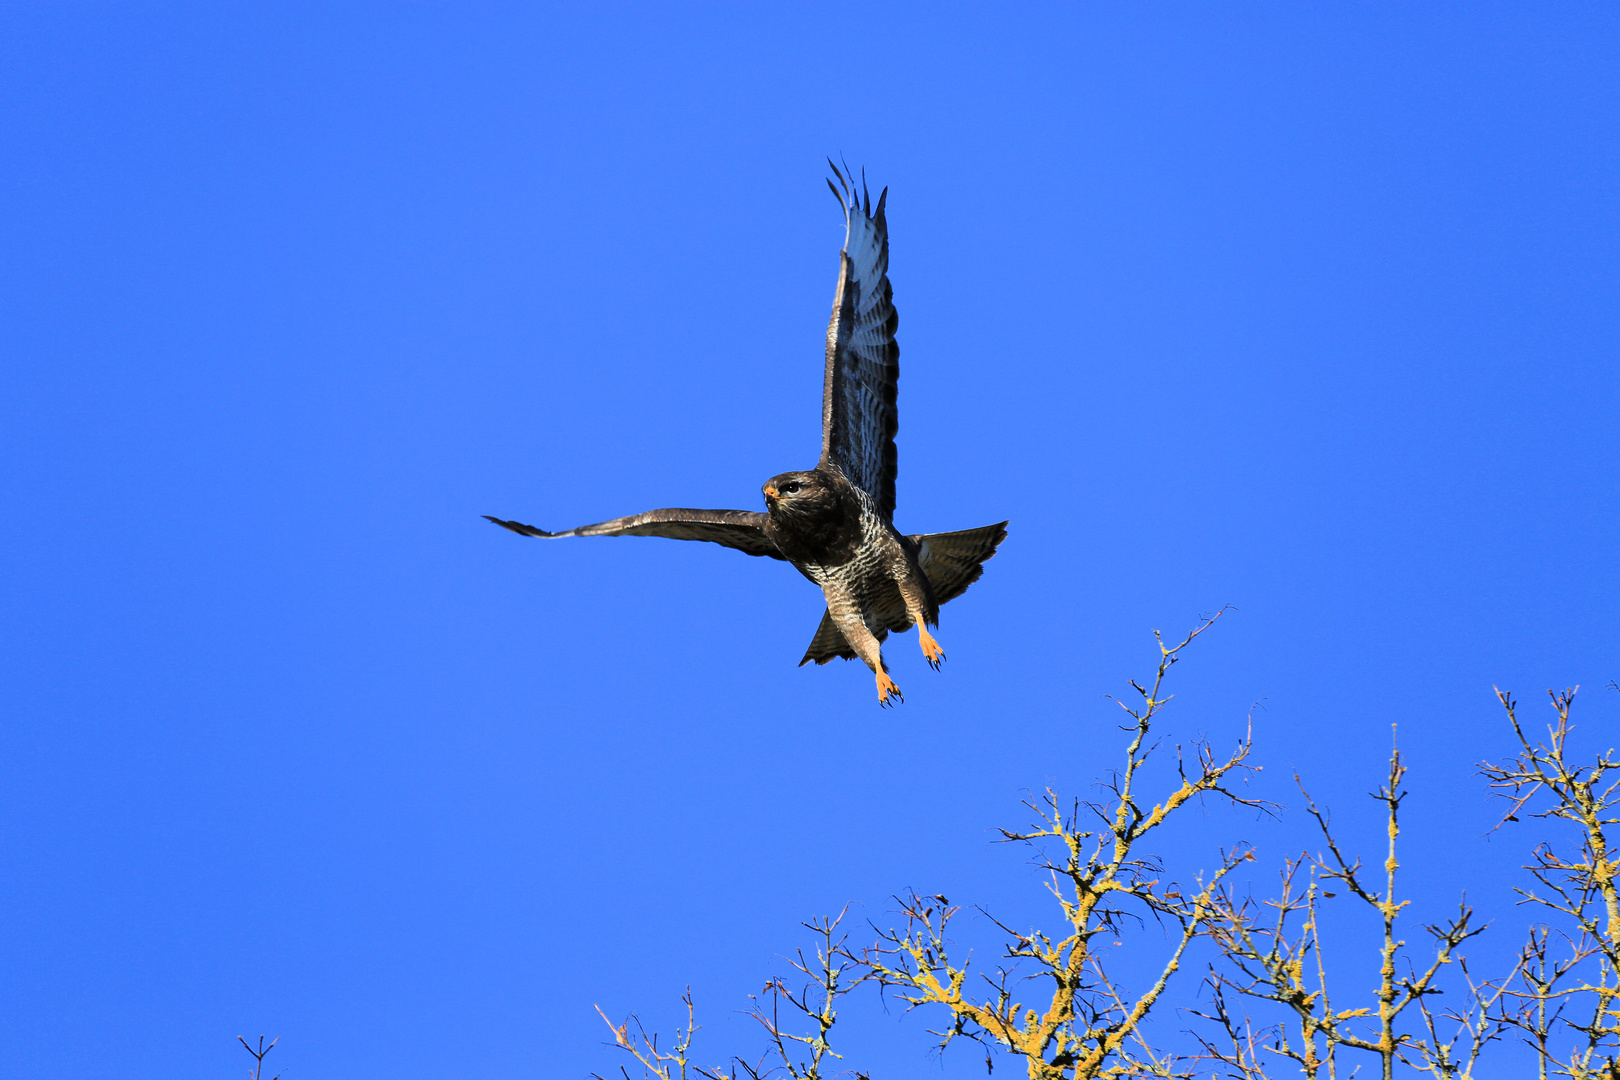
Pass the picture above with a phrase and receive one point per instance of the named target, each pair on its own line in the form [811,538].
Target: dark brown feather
[952,561]
[860,387]
[739,529]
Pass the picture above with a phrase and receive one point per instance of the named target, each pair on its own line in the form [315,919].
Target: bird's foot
[887,690]
[931,650]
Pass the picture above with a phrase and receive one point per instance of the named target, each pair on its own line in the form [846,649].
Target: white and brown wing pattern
[740,529]
[859,417]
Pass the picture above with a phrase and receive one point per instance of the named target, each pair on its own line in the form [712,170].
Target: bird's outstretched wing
[740,529]
[859,417]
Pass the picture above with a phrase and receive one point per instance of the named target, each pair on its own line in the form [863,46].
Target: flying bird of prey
[835,523]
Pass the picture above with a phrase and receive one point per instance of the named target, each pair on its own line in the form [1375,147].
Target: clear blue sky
[1307,311]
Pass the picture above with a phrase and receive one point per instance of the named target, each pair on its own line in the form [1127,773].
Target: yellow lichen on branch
[1568,989]
[1088,1027]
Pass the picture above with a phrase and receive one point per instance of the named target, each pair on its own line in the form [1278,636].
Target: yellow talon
[931,650]
[886,688]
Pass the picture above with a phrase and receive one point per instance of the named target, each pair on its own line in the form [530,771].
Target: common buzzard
[835,522]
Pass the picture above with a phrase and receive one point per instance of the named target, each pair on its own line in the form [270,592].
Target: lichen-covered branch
[1567,996]
[672,1064]
[801,1055]
[1080,1023]
[1271,952]
[814,1002]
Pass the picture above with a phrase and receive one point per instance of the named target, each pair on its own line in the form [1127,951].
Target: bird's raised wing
[740,529]
[858,413]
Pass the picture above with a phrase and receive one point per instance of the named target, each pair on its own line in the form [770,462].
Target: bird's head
[799,493]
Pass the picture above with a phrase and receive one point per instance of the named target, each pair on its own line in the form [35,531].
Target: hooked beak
[770,492]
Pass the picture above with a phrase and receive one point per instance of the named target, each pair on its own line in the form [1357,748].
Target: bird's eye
[789,489]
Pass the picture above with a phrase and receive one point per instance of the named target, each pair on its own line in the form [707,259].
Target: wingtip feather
[517,527]
[832,188]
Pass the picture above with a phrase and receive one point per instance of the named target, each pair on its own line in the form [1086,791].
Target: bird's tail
[952,561]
